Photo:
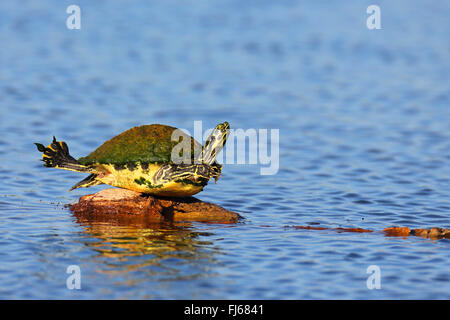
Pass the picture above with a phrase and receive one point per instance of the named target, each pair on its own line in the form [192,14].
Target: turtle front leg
[198,173]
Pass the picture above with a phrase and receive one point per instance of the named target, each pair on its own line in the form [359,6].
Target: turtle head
[215,143]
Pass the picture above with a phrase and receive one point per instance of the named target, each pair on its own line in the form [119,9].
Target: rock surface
[115,203]
[432,233]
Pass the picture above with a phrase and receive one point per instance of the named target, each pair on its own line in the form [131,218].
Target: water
[364,142]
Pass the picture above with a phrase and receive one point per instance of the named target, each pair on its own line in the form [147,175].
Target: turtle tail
[56,155]
[87,182]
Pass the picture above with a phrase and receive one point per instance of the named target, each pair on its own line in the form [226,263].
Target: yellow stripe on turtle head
[215,142]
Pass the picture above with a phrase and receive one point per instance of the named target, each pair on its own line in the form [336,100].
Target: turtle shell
[144,144]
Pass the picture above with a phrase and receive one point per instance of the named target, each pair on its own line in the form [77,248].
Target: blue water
[364,142]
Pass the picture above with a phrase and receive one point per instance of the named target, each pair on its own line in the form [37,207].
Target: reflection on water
[159,249]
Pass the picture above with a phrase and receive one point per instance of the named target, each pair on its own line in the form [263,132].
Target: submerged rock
[125,203]
[432,233]
[397,231]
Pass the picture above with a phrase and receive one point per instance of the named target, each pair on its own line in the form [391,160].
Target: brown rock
[358,230]
[121,203]
[310,228]
[397,231]
[421,233]
[432,233]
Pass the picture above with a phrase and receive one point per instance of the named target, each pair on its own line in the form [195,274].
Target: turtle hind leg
[89,181]
[56,155]
[197,173]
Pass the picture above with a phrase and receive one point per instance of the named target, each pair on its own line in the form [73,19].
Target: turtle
[140,159]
